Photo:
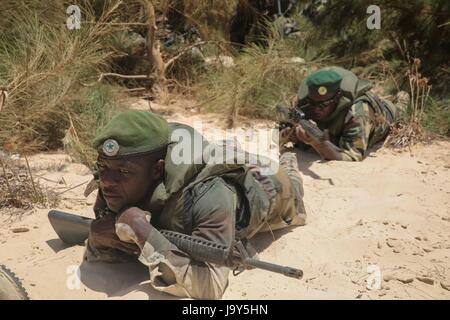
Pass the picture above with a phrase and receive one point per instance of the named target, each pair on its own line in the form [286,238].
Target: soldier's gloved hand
[102,235]
[133,226]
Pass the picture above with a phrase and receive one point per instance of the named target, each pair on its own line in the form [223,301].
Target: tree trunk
[157,65]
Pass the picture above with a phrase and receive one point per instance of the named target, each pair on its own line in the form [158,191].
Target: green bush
[437,117]
[418,28]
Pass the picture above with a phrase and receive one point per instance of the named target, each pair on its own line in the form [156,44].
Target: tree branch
[110,74]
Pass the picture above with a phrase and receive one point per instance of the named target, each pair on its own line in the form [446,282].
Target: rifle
[290,117]
[74,229]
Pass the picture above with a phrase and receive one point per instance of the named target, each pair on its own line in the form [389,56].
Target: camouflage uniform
[360,120]
[216,202]
[357,128]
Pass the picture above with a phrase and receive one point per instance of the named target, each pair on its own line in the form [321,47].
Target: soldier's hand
[287,134]
[103,235]
[133,226]
[302,135]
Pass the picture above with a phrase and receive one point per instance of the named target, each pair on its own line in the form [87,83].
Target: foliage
[262,77]
[46,69]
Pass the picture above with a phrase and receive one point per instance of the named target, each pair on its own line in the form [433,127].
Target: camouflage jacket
[359,126]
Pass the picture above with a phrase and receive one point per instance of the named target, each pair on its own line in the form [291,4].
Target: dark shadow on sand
[305,159]
[261,241]
[57,245]
[119,279]
[374,149]
[114,279]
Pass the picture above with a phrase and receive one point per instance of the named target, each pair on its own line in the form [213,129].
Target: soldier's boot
[403,100]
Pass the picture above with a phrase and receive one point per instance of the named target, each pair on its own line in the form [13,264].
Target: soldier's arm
[323,146]
[354,139]
[329,151]
[287,136]
[171,270]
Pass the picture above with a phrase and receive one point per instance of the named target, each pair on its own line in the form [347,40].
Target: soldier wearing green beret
[351,118]
[143,190]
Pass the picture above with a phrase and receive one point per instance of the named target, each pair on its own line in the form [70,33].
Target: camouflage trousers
[287,207]
[398,110]
[401,106]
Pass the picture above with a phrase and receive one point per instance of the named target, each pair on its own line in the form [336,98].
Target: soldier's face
[321,110]
[127,182]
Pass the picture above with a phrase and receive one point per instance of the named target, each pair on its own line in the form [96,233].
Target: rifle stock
[70,228]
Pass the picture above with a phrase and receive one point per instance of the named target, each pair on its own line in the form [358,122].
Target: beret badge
[110,147]
[322,90]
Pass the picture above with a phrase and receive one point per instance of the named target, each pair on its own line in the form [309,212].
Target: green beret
[132,133]
[323,84]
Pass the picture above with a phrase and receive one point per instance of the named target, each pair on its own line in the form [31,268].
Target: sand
[378,229]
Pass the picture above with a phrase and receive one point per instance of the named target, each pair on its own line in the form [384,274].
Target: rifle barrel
[287,271]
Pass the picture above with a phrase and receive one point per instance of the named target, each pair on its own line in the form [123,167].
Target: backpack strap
[188,208]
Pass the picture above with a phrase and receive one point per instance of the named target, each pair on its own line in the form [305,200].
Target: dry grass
[409,130]
[19,190]
[51,73]
[405,135]
[48,71]
[262,77]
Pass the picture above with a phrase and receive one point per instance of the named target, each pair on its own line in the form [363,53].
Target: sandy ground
[386,220]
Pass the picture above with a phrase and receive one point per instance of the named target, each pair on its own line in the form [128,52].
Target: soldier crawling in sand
[214,202]
[347,118]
